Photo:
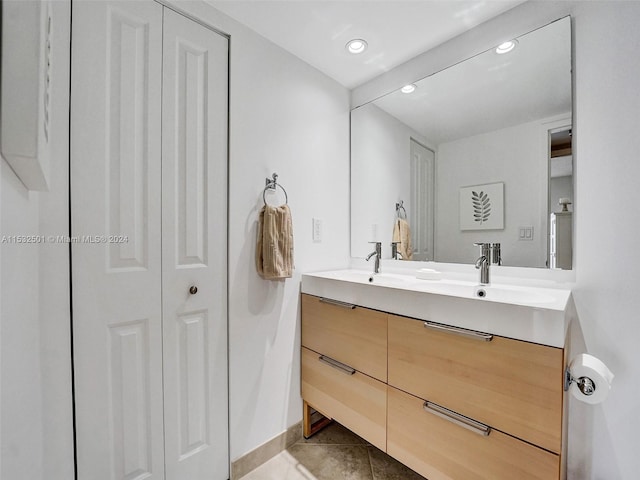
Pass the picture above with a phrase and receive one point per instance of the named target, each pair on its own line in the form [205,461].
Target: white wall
[36,417]
[381,173]
[607,105]
[515,156]
[288,118]
[21,416]
[603,440]
[21,392]
[54,303]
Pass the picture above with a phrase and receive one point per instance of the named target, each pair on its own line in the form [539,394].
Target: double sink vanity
[454,379]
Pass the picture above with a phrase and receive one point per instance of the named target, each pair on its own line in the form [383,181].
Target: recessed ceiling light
[357,45]
[408,88]
[506,47]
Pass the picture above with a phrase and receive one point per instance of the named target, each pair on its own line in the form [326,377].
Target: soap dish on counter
[428,274]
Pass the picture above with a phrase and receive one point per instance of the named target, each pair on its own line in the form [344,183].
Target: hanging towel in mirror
[274,248]
[402,234]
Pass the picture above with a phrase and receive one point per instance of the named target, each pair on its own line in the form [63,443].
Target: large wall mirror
[478,152]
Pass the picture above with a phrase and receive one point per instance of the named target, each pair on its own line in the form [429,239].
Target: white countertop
[533,314]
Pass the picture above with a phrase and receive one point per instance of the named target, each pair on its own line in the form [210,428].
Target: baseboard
[266,451]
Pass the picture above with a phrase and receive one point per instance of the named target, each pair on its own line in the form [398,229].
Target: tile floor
[334,453]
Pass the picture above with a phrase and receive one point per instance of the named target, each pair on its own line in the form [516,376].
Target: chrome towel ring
[271,184]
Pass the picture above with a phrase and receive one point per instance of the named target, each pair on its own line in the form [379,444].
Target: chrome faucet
[483,262]
[394,250]
[377,252]
[496,254]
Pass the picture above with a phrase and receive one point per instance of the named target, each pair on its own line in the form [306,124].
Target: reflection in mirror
[479,152]
[560,195]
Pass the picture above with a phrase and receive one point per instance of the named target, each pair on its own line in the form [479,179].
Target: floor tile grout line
[373,475]
[384,462]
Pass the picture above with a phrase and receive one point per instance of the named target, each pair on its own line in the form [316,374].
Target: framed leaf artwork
[482,207]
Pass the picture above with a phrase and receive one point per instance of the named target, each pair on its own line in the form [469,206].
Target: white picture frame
[482,207]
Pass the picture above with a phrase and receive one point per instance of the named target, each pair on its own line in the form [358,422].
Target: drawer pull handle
[486,337]
[337,365]
[338,303]
[461,420]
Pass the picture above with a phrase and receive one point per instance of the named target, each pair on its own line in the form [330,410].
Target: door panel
[194,212]
[131,295]
[127,88]
[422,218]
[115,185]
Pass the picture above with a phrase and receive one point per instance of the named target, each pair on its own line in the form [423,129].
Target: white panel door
[421,216]
[194,251]
[115,185]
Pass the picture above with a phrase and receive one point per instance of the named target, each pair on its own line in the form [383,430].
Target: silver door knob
[193,289]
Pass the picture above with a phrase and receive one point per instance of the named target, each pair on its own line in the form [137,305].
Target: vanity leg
[309,427]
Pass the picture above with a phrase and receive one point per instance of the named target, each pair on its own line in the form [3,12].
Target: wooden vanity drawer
[441,450]
[355,336]
[357,401]
[511,385]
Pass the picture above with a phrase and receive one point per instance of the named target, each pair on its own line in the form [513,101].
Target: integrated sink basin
[534,314]
[360,276]
[514,295]
[528,296]
[495,293]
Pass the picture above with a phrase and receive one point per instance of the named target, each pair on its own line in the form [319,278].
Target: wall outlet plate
[525,233]
[317,230]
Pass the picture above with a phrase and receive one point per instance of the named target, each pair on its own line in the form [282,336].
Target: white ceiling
[396,30]
[531,82]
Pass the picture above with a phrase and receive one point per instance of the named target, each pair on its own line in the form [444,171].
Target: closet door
[115,203]
[194,249]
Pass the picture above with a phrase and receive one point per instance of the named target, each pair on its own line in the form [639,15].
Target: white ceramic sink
[521,296]
[361,276]
[533,314]
[495,293]
[530,296]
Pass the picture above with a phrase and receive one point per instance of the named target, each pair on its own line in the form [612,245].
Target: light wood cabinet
[354,336]
[441,450]
[457,404]
[356,400]
[344,366]
[512,385]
